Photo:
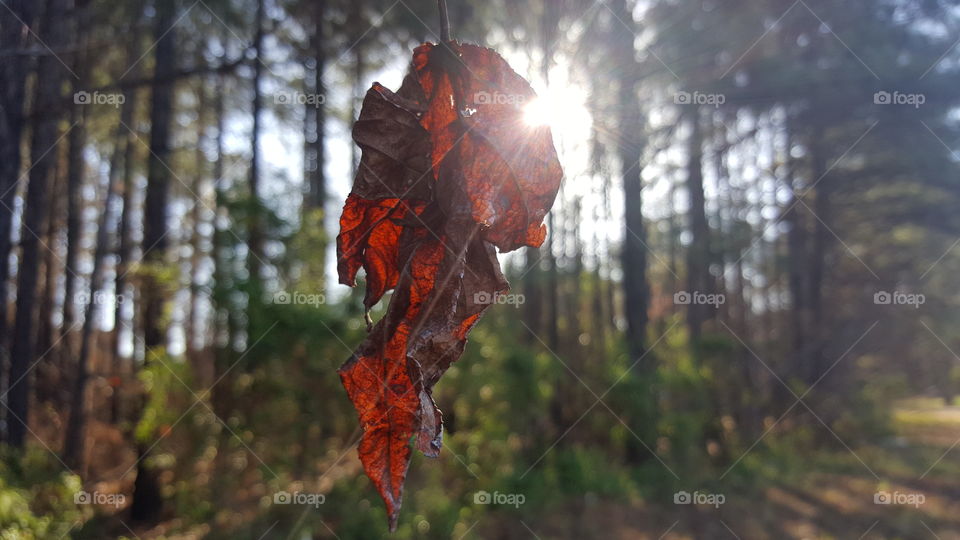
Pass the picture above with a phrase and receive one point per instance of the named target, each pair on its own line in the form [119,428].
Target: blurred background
[743,323]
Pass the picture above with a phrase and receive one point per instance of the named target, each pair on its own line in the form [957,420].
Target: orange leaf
[448,172]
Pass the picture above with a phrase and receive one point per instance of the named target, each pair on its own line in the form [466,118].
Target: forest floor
[829,495]
[832,496]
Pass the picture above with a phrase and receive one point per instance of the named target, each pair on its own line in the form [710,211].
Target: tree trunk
[315,163]
[610,287]
[255,226]
[192,333]
[356,24]
[50,261]
[818,253]
[76,428]
[315,157]
[698,254]
[630,151]
[224,324]
[50,73]
[126,142]
[796,278]
[575,308]
[158,173]
[533,306]
[719,254]
[550,22]
[77,140]
[636,291]
[125,226]
[147,501]
[15,34]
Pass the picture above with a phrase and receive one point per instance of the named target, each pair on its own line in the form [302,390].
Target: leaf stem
[444,21]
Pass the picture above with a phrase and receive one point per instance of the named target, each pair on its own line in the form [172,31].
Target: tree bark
[126,142]
[225,322]
[313,209]
[550,23]
[796,274]
[698,254]
[125,226]
[13,73]
[76,428]
[317,114]
[77,140]
[818,253]
[50,73]
[255,224]
[51,265]
[636,290]
[147,501]
[192,332]
[630,150]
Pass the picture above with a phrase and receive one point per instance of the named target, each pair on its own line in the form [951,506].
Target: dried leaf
[448,171]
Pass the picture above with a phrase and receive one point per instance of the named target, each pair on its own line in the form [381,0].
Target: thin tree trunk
[125,226]
[316,178]
[575,309]
[50,73]
[674,225]
[598,316]
[14,21]
[796,263]
[720,172]
[51,262]
[630,150]
[698,254]
[630,146]
[356,24]
[147,502]
[550,24]
[54,374]
[255,225]
[76,428]
[77,140]
[196,217]
[533,306]
[155,227]
[818,254]
[610,287]
[314,126]
[224,321]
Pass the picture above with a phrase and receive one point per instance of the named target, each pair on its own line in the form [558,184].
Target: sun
[562,108]
[537,113]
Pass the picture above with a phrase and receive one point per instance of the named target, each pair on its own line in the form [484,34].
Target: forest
[739,324]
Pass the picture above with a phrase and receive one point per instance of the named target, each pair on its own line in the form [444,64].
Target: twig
[444,21]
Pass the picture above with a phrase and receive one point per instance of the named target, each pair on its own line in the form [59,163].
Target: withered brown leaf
[448,173]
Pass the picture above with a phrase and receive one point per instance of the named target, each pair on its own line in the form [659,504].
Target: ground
[834,498]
